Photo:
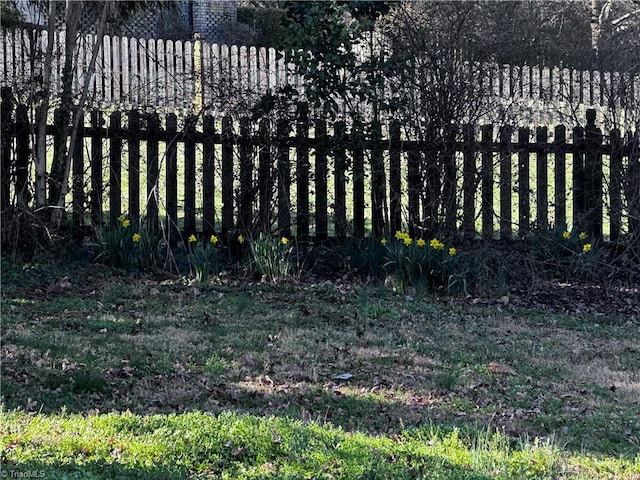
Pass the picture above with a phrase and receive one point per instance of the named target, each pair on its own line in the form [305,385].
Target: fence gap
[190,174]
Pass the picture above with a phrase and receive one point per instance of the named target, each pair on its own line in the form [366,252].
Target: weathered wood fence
[315,180]
[137,73]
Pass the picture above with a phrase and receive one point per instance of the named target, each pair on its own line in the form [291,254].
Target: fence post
[357,138]
[560,175]
[264,177]
[340,210]
[302,172]
[208,176]
[245,203]
[469,181]
[190,174]
[115,166]
[6,111]
[172,179]
[615,188]
[153,126]
[395,177]
[542,183]
[321,180]
[133,142]
[593,177]
[22,155]
[227,177]
[487,181]
[505,182]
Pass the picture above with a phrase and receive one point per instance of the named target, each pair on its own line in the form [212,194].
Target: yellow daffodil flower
[136,237]
[566,235]
[452,251]
[420,242]
[586,247]
[383,241]
[192,238]
[240,239]
[284,240]
[436,244]
[126,222]
[213,239]
[407,240]
[582,236]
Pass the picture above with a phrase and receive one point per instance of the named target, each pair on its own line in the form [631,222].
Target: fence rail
[319,180]
[141,74]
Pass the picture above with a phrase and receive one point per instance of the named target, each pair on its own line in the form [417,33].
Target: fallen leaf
[500,368]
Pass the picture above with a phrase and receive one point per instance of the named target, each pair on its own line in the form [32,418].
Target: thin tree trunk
[42,110]
[59,201]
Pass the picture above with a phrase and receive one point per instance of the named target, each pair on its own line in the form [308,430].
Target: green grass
[237,380]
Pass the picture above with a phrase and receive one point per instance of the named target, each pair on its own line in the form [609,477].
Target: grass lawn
[148,377]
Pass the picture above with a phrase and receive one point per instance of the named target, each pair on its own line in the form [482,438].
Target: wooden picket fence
[173,76]
[334,180]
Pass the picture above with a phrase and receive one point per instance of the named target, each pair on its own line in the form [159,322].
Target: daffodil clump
[412,262]
[129,244]
[271,257]
[204,257]
[582,245]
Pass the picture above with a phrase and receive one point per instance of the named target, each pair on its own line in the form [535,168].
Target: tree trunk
[63,156]
[41,112]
